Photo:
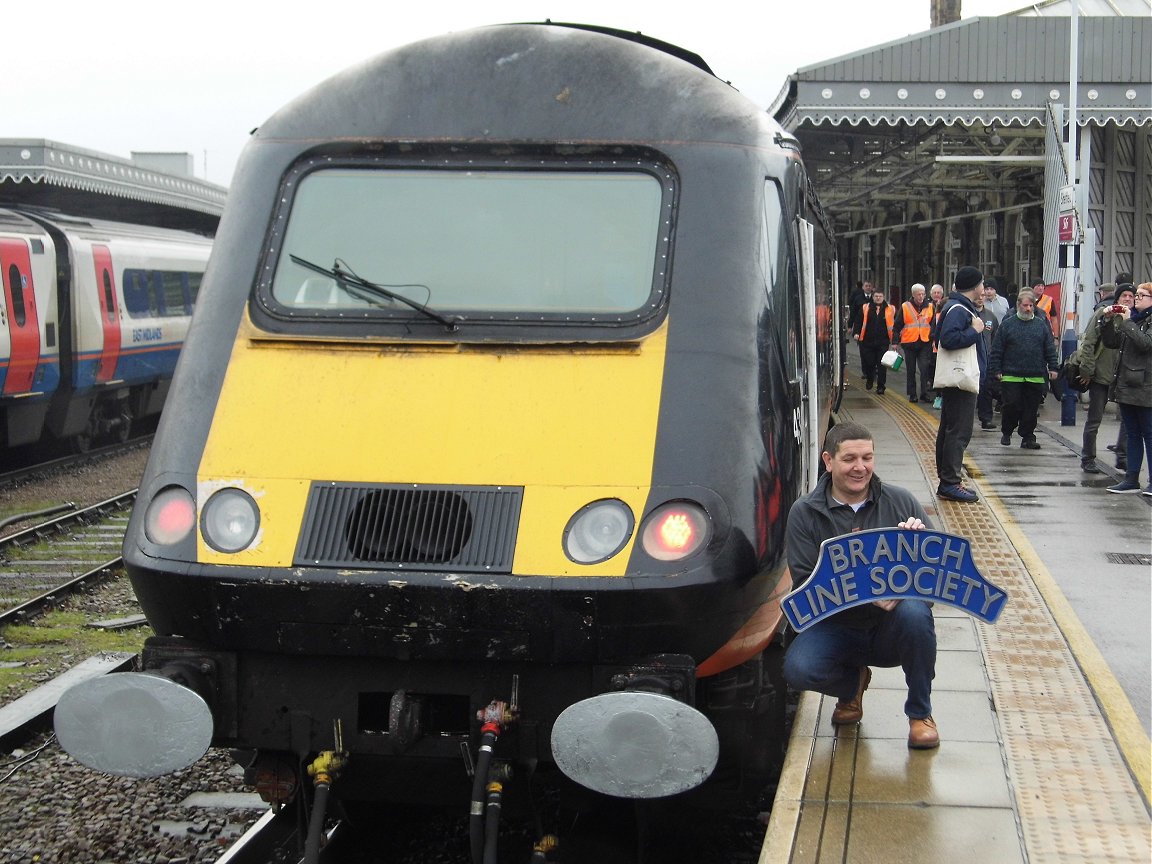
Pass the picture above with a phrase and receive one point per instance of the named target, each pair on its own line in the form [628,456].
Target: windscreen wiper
[346,279]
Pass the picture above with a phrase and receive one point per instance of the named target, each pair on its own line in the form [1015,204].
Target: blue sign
[893,563]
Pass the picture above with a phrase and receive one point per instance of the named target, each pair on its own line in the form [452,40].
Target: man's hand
[912,523]
[978,324]
[1053,375]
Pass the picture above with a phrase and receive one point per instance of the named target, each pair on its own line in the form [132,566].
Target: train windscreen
[485,243]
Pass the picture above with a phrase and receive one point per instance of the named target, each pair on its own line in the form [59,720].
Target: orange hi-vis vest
[889,317]
[917,325]
[1044,304]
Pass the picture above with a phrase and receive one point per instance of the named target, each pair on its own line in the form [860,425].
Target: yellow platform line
[1134,743]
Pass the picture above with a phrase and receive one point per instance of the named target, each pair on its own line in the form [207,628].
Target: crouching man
[833,655]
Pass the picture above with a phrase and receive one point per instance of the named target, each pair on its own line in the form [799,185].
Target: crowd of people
[1015,338]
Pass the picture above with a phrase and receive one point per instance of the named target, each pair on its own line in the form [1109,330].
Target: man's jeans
[827,657]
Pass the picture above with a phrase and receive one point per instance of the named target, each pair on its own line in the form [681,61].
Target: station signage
[893,563]
[1067,227]
[1066,199]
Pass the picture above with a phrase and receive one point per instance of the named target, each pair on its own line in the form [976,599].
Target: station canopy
[55,176]
[962,110]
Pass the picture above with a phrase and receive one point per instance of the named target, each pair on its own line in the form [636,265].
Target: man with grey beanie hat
[959,328]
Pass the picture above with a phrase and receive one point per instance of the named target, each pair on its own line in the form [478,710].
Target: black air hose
[479,783]
[492,823]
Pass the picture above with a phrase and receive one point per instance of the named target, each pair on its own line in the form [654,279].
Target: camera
[1119,309]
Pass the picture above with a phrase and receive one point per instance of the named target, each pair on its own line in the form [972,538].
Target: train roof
[526,82]
[83,226]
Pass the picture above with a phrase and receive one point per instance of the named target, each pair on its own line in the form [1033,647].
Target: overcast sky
[123,75]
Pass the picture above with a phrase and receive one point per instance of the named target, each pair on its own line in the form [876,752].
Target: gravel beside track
[54,810]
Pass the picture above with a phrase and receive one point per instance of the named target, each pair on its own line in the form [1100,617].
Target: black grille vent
[397,527]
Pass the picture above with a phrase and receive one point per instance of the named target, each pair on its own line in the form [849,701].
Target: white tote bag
[959,368]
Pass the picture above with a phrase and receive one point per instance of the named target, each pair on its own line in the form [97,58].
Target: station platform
[1044,755]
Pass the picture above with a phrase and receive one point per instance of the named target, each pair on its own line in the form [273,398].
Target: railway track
[32,464]
[53,558]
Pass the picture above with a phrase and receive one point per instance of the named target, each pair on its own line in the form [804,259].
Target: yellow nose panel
[571,424]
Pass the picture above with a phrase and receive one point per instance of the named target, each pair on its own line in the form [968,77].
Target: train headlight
[675,530]
[170,517]
[597,531]
[230,520]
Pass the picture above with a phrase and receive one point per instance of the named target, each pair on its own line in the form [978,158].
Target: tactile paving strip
[1074,795]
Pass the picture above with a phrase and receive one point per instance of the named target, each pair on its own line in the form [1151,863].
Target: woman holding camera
[1097,371]
[1128,330]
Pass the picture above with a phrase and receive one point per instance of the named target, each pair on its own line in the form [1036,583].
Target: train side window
[135,293]
[109,300]
[175,302]
[156,292]
[16,286]
[152,293]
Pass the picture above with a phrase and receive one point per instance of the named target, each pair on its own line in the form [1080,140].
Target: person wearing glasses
[1128,330]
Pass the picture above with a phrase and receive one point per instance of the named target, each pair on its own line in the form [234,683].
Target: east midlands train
[516,347]
[92,318]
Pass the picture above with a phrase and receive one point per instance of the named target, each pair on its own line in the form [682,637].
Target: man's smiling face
[851,469]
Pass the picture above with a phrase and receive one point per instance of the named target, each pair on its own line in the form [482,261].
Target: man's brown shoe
[922,734]
[851,712]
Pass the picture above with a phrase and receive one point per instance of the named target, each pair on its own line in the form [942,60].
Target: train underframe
[411,729]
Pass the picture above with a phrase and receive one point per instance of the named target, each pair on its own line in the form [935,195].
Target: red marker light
[675,530]
[170,517]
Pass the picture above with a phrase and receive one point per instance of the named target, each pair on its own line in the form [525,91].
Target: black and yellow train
[514,348]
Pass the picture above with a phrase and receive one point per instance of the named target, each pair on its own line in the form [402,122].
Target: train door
[109,313]
[23,323]
[809,410]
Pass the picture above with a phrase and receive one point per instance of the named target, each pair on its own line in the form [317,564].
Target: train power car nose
[635,745]
[133,724]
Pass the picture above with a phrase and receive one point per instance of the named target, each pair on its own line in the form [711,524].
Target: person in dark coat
[1098,371]
[857,297]
[1023,360]
[873,333]
[989,388]
[1130,331]
[960,327]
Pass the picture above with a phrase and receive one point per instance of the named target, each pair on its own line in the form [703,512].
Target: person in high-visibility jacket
[874,335]
[1044,304]
[913,332]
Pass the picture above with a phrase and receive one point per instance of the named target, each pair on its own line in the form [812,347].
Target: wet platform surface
[1043,716]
